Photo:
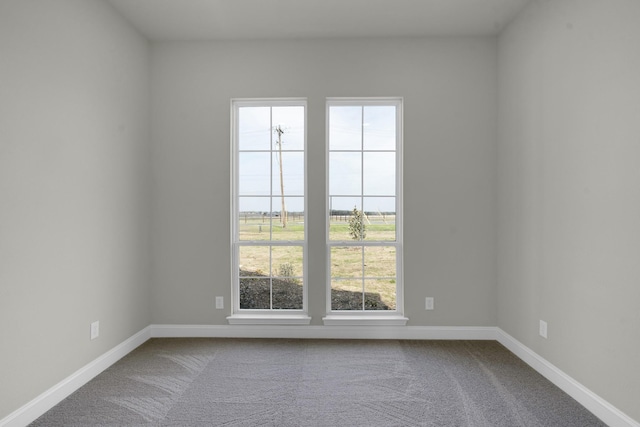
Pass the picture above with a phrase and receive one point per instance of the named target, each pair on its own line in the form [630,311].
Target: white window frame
[368,317]
[264,316]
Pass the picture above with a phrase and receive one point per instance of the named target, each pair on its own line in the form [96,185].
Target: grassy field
[359,275]
[256,227]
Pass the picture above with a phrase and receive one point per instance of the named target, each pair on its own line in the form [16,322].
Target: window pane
[346,294]
[255,293]
[254,173]
[254,261]
[287,294]
[345,174]
[346,262]
[379,127]
[291,121]
[381,218]
[380,261]
[379,174]
[254,128]
[341,212]
[286,262]
[289,226]
[269,190]
[254,221]
[292,174]
[287,270]
[380,294]
[345,128]
[363,174]
[339,205]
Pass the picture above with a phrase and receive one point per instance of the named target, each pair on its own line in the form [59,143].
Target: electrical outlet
[543,329]
[428,303]
[95,330]
[219,302]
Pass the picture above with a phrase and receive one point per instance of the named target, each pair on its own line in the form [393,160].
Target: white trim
[236,104]
[363,100]
[364,320]
[602,409]
[325,332]
[268,319]
[398,313]
[47,400]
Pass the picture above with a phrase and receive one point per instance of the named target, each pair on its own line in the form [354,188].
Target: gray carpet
[252,382]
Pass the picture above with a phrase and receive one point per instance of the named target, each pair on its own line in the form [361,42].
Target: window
[364,207]
[269,210]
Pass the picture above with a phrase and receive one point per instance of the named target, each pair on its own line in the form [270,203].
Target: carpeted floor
[282,382]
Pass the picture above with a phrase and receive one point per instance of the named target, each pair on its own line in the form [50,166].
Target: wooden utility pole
[283,212]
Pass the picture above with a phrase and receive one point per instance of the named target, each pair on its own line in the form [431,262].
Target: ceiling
[162,20]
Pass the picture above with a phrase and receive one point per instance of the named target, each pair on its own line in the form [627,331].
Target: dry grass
[360,276]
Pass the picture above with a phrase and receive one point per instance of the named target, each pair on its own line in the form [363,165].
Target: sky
[361,158]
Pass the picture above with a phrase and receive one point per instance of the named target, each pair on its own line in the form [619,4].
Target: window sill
[349,320]
[269,319]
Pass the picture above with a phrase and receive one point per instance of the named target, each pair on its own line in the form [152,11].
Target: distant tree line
[337,212]
[274,213]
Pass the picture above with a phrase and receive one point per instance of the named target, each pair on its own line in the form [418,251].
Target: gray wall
[74,190]
[569,190]
[450,92]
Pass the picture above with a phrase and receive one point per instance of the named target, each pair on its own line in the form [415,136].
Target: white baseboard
[325,332]
[47,400]
[602,409]
[592,402]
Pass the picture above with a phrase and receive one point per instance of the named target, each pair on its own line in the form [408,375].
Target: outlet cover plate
[543,329]
[219,302]
[95,330]
[428,303]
